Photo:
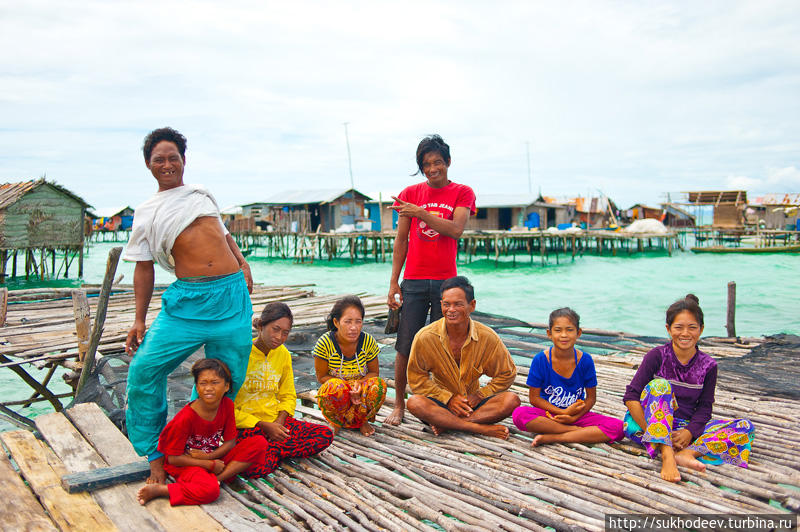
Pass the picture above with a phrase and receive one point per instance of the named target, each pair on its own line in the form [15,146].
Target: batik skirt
[333,398]
[722,440]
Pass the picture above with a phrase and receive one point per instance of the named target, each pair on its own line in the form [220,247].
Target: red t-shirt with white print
[431,255]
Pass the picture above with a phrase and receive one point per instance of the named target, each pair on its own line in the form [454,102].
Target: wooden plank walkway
[402,478]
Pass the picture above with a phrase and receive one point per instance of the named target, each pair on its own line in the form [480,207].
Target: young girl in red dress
[200,442]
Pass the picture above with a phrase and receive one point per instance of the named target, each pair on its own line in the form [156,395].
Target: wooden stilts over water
[402,478]
[473,245]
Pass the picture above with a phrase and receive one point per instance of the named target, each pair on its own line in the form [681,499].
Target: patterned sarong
[333,398]
[722,440]
[305,439]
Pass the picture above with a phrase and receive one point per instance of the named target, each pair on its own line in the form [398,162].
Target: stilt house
[38,221]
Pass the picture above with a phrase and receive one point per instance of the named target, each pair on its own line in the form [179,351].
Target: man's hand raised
[404,208]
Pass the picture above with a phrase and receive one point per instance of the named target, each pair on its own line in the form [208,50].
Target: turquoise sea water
[628,293]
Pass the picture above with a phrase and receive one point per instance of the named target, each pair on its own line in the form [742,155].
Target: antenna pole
[350,166]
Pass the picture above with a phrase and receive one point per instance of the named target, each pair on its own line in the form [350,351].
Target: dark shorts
[421,297]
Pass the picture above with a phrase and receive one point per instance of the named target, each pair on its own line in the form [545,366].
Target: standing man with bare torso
[432,217]
[180,228]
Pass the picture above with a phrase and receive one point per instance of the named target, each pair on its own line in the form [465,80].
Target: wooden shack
[729,206]
[777,211]
[38,221]
[306,210]
[505,211]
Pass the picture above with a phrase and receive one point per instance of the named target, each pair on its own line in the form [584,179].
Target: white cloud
[634,98]
[741,182]
[786,179]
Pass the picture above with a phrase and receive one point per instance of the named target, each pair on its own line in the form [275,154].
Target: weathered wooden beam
[104,477]
[80,309]
[20,510]
[3,305]
[43,471]
[33,383]
[100,317]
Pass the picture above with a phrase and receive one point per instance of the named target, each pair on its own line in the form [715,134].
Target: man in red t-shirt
[432,217]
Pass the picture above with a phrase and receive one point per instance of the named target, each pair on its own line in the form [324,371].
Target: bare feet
[669,468]
[366,429]
[542,439]
[396,417]
[686,458]
[438,430]
[495,431]
[157,473]
[149,492]
[336,429]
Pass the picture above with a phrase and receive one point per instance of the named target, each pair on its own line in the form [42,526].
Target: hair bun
[693,298]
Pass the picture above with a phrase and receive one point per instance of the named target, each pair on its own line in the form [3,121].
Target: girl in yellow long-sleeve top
[267,399]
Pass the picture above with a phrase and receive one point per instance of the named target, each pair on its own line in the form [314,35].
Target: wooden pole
[80,308]
[731,324]
[100,317]
[80,263]
[3,305]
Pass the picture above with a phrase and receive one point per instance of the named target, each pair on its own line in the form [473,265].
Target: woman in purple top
[563,390]
[670,398]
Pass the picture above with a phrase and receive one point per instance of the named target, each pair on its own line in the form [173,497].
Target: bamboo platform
[511,246]
[402,478]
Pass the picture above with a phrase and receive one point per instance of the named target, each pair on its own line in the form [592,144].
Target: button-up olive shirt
[432,368]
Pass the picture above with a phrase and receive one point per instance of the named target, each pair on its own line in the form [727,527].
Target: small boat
[795,248]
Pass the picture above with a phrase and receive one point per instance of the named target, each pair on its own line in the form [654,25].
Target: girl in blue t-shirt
[563,390]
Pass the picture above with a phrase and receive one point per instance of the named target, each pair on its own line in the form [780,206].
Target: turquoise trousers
[216,315]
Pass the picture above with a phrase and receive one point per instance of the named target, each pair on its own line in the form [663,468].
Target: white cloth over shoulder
[158,221]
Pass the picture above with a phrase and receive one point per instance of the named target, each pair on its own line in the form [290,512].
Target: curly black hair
[163,133]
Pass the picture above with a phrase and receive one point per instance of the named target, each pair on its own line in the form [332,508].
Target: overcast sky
[636,99]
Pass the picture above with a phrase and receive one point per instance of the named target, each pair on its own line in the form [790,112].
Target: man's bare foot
[495,431]
[438,431]
[149,492]
[669,469]
[686,458]
[542,439]
[396,417]
[157,473]
[366,429]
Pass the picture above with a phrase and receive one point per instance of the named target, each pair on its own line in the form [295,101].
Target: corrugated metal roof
[778,199]
[488,201]
[306,196]
[11,192]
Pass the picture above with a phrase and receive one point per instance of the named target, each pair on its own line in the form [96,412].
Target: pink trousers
[611,427]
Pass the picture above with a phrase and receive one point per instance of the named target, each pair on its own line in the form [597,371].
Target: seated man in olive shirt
[447,359]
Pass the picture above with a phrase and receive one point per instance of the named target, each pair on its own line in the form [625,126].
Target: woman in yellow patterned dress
[346,364]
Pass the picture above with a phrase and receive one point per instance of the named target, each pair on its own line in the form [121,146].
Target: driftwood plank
[20,510]
[43,471]
[105,477]
[115,449]
[118,502]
